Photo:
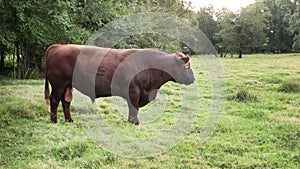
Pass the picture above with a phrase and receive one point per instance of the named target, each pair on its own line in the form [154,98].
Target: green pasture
[259,126]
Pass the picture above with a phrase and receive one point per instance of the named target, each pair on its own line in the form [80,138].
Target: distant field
[259,127]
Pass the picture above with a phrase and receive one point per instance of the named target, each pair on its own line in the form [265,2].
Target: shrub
[71,150]
[243,95]
[290,86]
[35,74]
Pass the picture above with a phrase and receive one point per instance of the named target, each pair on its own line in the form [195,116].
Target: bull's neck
[159,78]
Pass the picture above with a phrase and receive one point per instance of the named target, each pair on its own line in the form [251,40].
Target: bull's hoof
[53,118]
[135,122]
[69,120]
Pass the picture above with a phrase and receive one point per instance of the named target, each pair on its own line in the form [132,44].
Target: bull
[133,74]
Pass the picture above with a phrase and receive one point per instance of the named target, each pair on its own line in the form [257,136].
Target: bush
[35,74]
[290,86]
[71,150]
[243,95]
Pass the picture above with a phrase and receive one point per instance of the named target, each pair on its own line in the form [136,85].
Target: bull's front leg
[133,112]
[133,106]
[66,109]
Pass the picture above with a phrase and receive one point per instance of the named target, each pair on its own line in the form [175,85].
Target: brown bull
[134,74]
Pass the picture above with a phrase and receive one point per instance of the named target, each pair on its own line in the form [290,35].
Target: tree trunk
[19,65]
[2,53]
[39,62]
[240,54]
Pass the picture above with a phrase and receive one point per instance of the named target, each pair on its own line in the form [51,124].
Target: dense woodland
[28,27]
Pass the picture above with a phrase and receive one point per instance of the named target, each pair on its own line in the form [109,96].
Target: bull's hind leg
[53,106]
[66,102]
[55,97]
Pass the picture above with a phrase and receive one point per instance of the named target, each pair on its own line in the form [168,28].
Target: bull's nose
[193,80]
[190,82]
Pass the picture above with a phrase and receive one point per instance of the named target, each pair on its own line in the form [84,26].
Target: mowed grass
[259,126]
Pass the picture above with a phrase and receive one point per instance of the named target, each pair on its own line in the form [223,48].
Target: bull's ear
[185,59]
[179,54]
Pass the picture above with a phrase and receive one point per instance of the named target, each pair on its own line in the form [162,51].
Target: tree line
[271,26]
[28,27]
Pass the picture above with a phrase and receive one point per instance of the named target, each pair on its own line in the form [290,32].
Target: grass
[259,128]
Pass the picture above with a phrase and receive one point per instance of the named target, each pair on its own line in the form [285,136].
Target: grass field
[259,127]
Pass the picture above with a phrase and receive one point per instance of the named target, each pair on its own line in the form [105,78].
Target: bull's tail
[47,93]
[47,89]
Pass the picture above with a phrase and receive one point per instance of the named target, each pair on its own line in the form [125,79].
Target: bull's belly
[98,95]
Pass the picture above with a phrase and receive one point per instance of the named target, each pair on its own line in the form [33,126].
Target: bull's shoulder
[124,52]
[146,51]
[153,52]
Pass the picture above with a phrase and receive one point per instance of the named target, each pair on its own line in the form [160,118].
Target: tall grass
[290,86]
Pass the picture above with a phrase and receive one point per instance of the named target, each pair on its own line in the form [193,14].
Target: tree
[254,22]
[207,23]
[280,38]
[31,26]
[244,31]
[7,35]
[228,37]
[294,20]
[156,40]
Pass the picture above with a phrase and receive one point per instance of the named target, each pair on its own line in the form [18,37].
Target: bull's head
[184,73]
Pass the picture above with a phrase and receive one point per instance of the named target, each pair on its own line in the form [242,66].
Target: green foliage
[207,24]
[156,41]
[264,26]
[280,38]
[31,26]
[255,20]
[35,74]
[228,37]
[294,20]
[244,31]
